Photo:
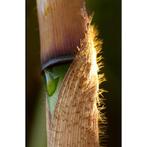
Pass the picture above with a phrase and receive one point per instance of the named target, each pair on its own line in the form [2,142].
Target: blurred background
[107,18]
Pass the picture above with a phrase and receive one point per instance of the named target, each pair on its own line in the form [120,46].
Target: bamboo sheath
[75,122]
[65,29]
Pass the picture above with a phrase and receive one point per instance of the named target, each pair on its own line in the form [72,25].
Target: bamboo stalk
[65,30]
[61,27]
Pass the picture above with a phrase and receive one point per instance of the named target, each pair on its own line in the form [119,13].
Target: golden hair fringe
[78,119]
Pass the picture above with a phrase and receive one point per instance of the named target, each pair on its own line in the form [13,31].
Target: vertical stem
[61,27]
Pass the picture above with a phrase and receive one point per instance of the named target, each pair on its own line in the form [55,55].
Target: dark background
[107,18]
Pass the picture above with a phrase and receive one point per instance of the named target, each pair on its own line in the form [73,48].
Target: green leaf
[60,70]
[54,76]
[51,86]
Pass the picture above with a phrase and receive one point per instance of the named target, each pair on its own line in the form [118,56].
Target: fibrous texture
[65,29]
[75,120]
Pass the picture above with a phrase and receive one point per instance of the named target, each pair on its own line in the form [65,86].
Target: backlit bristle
[65,30]
[77,120]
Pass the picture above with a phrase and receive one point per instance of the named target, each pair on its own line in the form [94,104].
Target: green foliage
[54,77]
[51,86]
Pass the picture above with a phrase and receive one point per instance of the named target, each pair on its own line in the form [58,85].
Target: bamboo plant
[71,61]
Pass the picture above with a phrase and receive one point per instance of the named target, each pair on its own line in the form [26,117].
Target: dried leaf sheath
[75,121]
[62,26]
